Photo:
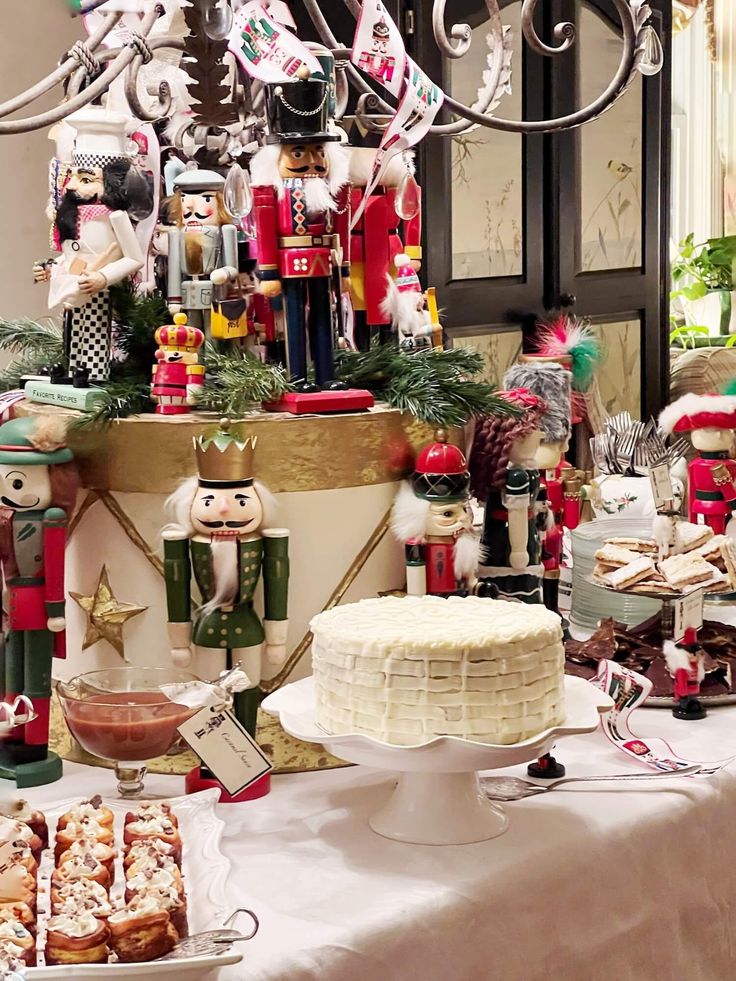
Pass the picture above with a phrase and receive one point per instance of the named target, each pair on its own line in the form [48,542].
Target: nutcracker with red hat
[38,488]
[551,382]
[302,218]
[177,377]
[406,307]
[711,421]
[685,663]
[432,518]
[391,224]
[221,534]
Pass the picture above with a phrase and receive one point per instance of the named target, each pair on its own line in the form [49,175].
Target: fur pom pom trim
[465,555]
[361,167]
[409,514]
[49,434]
[693,404]
[677,659]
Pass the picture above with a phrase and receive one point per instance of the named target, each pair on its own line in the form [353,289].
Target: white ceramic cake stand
[438,800]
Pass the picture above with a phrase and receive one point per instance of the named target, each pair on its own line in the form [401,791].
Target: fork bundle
[629,446]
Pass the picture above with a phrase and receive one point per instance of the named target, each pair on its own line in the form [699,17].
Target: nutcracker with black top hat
[551,382]
[711,421]
[202,244]
[177,377]
[221,534]
[302,218]
[431,517]
[97,240]
[38,488]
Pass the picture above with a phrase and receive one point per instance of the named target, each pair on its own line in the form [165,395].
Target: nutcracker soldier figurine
[685,664]
[710,420]
[221,532]
[203,244]
[390,225]
[406,307]
[431,517]
[177,377]
[551,382]
[38,487]
[504,474]
[302,218]
[97,241]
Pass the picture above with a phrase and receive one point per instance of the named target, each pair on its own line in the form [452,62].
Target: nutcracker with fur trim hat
[97,240]
[221,534]
[432,518]
[203,244]
[551,382]
[38,488]
[406,307]
[504,474]
[711,421]
[685,664]
[177,377]
[302,216]
[391,224]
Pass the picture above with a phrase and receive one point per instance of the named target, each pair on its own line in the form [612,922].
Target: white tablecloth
[636,883]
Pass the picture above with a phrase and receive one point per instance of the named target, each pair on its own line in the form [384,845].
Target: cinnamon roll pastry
[142,931]
[153,854]
[21,810]
[77,939]
[80,867]
[87,827]
[152,811]
[83,847]
[162,889]
[82,896]
[21,912]
[92,809]
[154,827]
[19,934]
[12,830]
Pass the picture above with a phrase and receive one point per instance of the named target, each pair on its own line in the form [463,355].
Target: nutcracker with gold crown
[431,517]
[551,383]
[221,534]
[178,377]
[711,421]
[38,488]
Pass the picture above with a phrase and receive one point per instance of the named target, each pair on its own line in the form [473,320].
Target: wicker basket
[705,369]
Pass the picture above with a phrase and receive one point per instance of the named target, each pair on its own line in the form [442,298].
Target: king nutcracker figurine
[38,488]
[302,217]
[431,517]
[711,421]
[177,376]
[221,534]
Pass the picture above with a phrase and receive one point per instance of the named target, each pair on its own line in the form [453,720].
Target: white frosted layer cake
[407,669]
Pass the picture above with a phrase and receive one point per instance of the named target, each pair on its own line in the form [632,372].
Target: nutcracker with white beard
[431,517]
[302,216]
[221,534]
[405,306]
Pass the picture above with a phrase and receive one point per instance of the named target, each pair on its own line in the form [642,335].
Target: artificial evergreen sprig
[436,386]
[237,382]
[137,317]
[122,399]
[34,344]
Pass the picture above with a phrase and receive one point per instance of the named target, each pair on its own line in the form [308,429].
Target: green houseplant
[704,268]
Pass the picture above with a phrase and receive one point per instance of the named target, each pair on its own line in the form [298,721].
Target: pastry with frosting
[76,939]
[21,912]
[149,854]
[151,811]
[18,885]
[11,959]
[157,827]
[82,895]
[21,810]
[85,827]
[92,809]
[18,934]
[142,931]
[82,847]
[14,830]
[81,867]
[163,888]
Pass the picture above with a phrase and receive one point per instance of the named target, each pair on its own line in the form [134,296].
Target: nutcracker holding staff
[221,533]
[711,421]
[432,519]
[38,487]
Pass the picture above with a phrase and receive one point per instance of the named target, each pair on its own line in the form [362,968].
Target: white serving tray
[205,870]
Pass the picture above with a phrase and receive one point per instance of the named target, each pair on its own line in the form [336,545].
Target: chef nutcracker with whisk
[97,241]
[431,517]
[302,217]
[38,488]
[711,421]
[221,534]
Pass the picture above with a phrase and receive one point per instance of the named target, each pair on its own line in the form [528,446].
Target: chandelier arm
[563,32]
[123,58]
[460,37]
[65,69]
[109,54]
[87,7]
[163,95]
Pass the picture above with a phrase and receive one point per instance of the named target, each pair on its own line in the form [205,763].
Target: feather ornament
[570,337]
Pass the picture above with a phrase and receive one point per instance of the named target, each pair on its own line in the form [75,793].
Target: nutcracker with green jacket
[222,536]
[38,488]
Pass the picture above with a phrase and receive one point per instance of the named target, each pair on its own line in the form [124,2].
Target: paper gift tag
[661,481]
[688,614]
[225,748]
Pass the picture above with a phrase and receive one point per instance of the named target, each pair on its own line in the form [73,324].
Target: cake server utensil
[213,941]
[516,788]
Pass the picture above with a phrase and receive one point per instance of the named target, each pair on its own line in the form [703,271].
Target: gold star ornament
[106,616]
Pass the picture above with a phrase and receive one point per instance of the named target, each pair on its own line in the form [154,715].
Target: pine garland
[436,386]
[237,382]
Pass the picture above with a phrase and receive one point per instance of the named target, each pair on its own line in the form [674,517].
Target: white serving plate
[205,870]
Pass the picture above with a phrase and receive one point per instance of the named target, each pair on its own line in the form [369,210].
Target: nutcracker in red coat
[391,224]
[177,377]
[685,664]
[431,517]
[711,421]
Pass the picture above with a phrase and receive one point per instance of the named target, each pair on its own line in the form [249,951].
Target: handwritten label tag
[688,614]
[661,481]
[225,748]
